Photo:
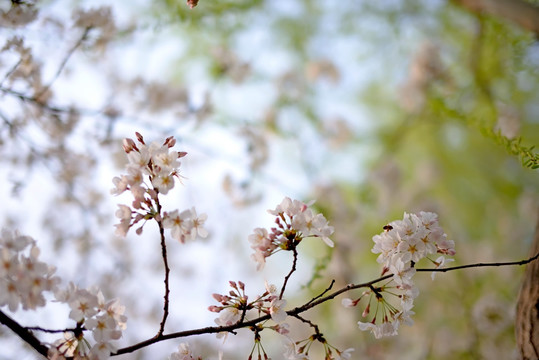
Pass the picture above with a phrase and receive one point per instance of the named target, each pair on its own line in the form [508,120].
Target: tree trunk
[527,319]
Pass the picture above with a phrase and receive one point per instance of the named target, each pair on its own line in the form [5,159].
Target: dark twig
[51,331]
[493,264]
[29,338]
[323,293]
[167,269]
[295,252]
[309,322]
[300,309]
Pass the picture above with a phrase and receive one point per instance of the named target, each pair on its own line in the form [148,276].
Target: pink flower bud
[139,138]
[367,310]
[129,145]
[192,3]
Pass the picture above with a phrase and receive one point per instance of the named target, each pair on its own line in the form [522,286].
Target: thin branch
[51,108]
[309,322]
[167,270]
[11,71]
[51,331]
[323,293]
[300,309]
[64,62]
[493,264]
[295,252]
[26,335]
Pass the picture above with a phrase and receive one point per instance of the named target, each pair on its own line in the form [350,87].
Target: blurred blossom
[492,315]
[15,15]
[323,68]
[228,64]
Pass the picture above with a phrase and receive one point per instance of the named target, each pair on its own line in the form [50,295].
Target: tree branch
[290,273]
[300,309]
[64,62]
[29,338]
[24,334]
[167,269]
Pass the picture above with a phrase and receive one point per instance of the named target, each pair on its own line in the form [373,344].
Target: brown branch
[290,273]
[24,334]
[29,338]
[300,309]
[52,331]
[522,13]
[167,269]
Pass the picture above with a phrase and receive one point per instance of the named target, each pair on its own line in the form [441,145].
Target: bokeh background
[370,108]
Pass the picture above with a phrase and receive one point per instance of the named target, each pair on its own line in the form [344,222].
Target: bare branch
[24,334]
[64,62]
[167,269]
[300,309]
[290,273]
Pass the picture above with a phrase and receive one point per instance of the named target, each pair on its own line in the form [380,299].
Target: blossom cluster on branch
[151,172]
[105,319]
[401,245]
[24,280]
[160,165]
[23,277]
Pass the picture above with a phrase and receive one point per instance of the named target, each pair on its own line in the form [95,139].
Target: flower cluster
[404,242]
[158,164]
[295,221]
[105,319]
[235,305]
[23,278]
[401,245]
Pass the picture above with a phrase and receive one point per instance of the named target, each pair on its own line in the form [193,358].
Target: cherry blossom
[291,350]
[152,171]
[278,314]
[401,245]
[179,223]
[295,221]
[23,277]
[93,313]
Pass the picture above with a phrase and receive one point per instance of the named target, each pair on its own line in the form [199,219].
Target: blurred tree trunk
[520,12]
[527,319]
